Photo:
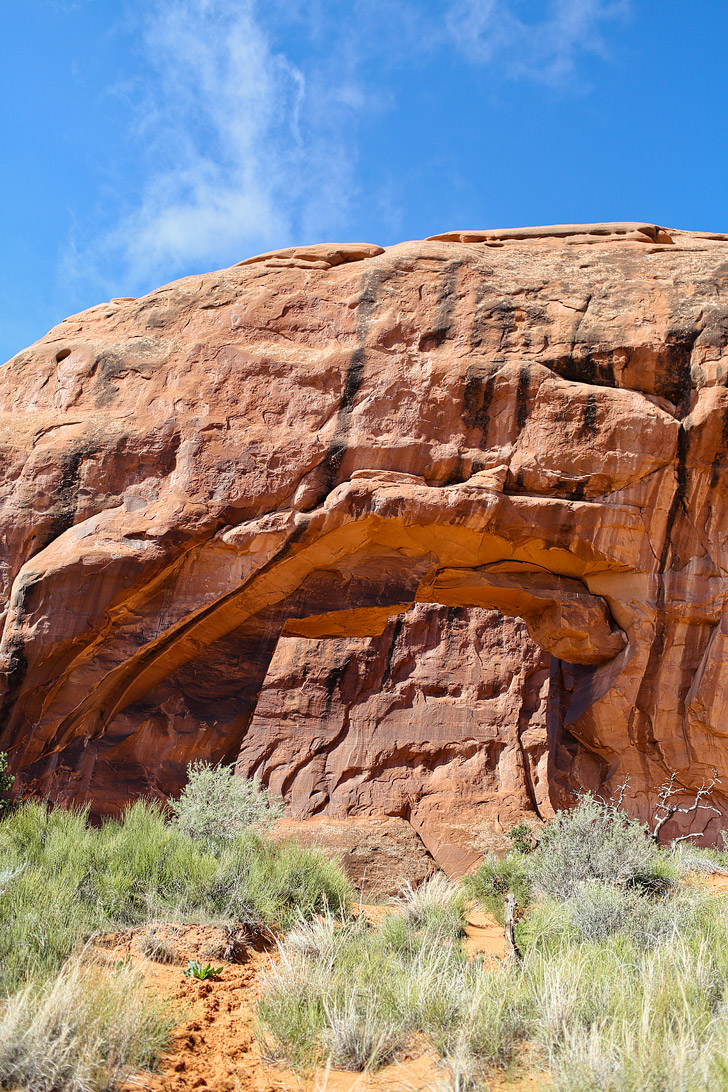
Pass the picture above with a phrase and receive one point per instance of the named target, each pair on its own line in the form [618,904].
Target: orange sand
[215,1047]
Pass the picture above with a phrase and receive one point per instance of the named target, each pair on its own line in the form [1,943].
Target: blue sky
[147,139]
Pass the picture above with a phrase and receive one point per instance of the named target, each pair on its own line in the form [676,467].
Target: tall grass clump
[137,869]
[81,1031]
[436,906]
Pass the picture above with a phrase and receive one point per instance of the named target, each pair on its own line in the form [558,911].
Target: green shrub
[495,878]
[593,841]
[216,807]
[6,783]
[522,838]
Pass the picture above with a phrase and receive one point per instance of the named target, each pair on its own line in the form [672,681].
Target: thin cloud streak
[548,51]
[233,141]
[240,150]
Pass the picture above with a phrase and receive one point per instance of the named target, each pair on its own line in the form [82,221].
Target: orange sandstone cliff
[434,532]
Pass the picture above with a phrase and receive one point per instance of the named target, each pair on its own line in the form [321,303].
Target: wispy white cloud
[239,149]
[547,49]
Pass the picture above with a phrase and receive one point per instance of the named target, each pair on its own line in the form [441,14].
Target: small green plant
[496,878]
[198,970]
[215,806]
[6,784]
[522,838]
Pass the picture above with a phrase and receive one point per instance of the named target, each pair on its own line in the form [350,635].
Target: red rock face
[440,721]
[313,443]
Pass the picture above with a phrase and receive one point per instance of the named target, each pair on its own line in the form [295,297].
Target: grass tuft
[83,1030]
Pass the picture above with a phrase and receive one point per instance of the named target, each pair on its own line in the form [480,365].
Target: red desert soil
[716,883]
[215,1047]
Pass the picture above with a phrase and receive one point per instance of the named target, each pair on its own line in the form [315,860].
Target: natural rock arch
[313,441]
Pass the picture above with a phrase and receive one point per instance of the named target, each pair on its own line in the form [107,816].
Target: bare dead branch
[668,806]
[512,949]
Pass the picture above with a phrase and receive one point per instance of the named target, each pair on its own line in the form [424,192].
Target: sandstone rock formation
[440,721]
[315,442]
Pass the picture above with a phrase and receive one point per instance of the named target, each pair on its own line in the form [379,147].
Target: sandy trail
[215,1046]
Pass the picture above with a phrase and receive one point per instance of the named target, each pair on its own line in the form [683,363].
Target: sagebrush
[215,806]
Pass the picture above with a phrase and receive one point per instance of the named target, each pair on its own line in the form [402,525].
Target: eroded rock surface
[310,443]
[441,721]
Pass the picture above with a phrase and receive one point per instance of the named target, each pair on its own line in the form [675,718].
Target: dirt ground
[214,1046]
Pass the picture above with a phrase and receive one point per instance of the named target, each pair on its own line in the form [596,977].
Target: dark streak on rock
[640,723]
[522,397]
[478,394]
[589,420]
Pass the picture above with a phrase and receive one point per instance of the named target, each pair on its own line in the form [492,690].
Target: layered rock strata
[315,441]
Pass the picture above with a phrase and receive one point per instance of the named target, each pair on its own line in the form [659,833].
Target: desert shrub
[495,878]
[599,910]
[592,841]
[140,869]
[82,1031]
[216,807]
[6,783]
[664,921]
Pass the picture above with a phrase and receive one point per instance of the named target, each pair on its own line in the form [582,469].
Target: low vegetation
[622,985]
[80,1030]
[62,881]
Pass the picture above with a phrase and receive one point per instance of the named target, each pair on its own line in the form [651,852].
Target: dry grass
[82,1031]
